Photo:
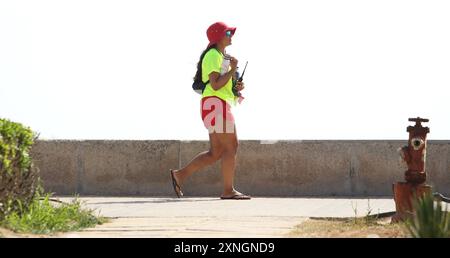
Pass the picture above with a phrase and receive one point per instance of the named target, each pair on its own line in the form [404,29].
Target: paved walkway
[212,217]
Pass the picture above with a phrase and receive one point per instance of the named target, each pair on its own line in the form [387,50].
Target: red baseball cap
[217,31]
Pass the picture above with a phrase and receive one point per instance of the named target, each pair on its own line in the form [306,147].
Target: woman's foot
[235,195]
[175,183]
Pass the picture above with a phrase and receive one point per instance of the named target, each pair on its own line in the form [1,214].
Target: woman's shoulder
[213,53]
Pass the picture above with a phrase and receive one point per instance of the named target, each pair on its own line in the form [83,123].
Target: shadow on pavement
[159,200]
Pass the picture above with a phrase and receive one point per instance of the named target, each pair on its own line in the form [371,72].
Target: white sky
[317,69]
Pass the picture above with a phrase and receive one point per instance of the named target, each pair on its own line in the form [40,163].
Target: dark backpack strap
[201,70]
[205,85]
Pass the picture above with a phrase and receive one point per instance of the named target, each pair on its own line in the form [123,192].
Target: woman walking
[217,70]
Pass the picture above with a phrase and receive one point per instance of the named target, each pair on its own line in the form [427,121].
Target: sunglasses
[228,33]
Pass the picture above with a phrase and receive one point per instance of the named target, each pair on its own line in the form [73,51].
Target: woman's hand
[240,86]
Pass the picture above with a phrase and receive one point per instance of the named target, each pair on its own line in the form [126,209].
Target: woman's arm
[218,81]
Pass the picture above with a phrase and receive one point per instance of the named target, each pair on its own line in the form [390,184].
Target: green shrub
[429,220]
[43,217]
[19,180]
[23,206]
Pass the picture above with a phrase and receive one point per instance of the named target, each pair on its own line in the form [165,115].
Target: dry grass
[346,228]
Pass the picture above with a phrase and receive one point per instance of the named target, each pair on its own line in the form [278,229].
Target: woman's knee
[231,149]
[215,154]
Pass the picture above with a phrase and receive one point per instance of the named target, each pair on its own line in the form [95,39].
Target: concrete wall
[282,168]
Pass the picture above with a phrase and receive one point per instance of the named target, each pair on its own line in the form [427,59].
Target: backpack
[199,86]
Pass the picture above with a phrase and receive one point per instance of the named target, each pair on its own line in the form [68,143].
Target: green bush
[23,205]
[43,217]
[19,180]
[429,220]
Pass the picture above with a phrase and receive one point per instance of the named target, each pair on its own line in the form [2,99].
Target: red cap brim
[233,29]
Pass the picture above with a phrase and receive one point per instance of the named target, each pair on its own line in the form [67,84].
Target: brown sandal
[236,197]
[175,185]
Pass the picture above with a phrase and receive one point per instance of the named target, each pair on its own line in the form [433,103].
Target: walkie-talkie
[240,78]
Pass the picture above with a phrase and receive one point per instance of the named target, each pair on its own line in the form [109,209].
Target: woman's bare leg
[230,144]
[202,159]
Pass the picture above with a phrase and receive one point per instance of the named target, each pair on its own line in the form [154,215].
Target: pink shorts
[214,109]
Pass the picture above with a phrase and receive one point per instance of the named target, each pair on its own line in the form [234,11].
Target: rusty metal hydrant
[414,154]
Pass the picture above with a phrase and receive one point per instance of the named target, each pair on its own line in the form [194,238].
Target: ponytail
[198,74]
